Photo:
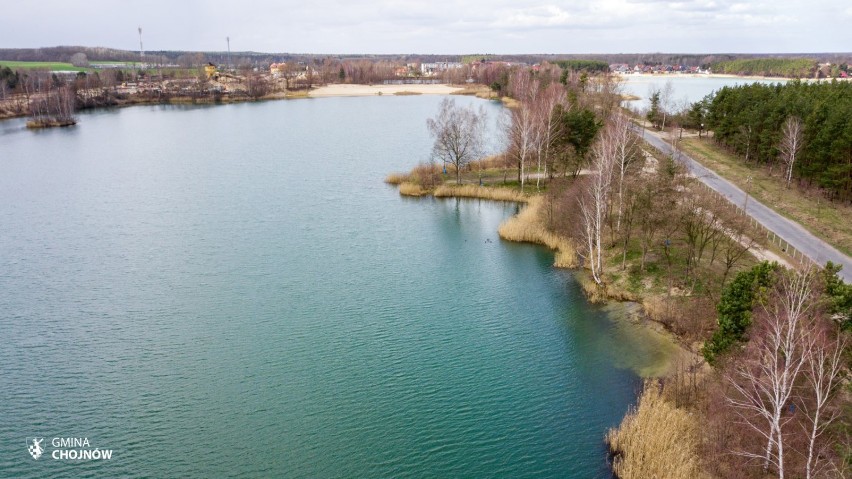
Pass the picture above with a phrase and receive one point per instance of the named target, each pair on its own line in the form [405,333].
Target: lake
[686,89]
[233,291]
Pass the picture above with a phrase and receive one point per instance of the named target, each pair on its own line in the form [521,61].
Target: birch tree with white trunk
[791,144]
[779,351]
[823,375]
[666,99]
[523,129]
[594,204]
[624,143]
[549,98]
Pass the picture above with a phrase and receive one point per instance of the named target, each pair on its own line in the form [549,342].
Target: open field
[826,220]
[14,65]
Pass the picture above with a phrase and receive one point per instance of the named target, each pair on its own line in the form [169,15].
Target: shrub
[735,308]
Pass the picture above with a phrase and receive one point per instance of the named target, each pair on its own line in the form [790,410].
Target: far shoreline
[715,75]
[325,91]
[353,89]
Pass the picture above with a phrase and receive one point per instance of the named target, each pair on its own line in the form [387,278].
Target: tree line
[771,67]
[756,121]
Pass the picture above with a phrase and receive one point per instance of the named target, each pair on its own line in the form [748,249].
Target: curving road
[791,232]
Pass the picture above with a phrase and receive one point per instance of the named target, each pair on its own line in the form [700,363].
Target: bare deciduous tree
[666,99]
[701,225]
[791,144]
[79,60]
[735,243]
[551,97]
[523,128]
[459,134]
[625,152]
[764,382]
[594,204]
[822,375]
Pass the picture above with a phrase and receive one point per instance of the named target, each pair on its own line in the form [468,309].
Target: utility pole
[748,185]
[141,56]
[228,39]
[141,50]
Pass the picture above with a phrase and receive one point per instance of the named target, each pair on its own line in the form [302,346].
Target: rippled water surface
[233,291]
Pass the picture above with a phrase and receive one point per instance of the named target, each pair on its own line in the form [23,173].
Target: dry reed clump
[482,192]
[655,439]
[427,175]
[411,189]
[527,227]
[396,178]
[490,162]
[510,102]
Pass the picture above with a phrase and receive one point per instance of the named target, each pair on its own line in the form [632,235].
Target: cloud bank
[436,26]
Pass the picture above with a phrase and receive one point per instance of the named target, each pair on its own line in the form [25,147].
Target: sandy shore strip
[370,90]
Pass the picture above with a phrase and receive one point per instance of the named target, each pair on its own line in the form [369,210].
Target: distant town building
[427,69]
[277,69]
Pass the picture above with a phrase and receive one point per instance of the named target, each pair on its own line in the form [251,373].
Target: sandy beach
[369,90]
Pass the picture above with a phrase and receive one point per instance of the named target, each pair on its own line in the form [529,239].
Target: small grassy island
[50,122]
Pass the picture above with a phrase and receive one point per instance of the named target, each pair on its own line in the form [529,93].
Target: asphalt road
[791,232]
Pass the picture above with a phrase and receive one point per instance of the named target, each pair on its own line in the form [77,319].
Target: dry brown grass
[527,227]
[656,440]
[480,91]
[482,192]
[594,292]
[490,162]
[427,175]
[510,102]
[411,189]
[396,178]
[826,219]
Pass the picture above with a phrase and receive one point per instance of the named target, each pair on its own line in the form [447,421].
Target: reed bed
[655,439]
[411,189]
[483,192]
[396,178]
[527,227]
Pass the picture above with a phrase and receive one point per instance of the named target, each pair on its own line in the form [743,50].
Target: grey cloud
[445,26]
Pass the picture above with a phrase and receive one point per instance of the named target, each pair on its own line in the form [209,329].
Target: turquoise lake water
[232,291]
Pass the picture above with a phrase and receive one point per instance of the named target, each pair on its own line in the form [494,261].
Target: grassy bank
[825,219]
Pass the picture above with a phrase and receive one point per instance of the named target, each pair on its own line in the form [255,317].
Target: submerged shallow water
[233,291]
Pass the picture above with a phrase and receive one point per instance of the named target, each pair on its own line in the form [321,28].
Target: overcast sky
[435,26]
